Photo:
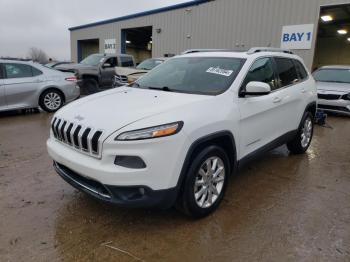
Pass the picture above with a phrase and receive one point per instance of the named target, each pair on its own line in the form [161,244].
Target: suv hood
[336,88]
[117,108]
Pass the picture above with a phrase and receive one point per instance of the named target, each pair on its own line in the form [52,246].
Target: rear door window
[126,61]
[302,73]
[286,71]
[36,72]
[18,71]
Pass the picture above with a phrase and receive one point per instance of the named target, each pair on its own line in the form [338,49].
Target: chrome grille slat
[82,138]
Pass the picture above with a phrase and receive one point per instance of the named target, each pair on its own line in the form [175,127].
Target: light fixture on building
[158,30]
[349,39]
[151,42]
[326,18]
[342,32]
[128,42]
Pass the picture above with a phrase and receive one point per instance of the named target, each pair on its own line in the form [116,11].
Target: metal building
[317,30]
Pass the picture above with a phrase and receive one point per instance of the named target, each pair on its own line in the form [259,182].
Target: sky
[44,23]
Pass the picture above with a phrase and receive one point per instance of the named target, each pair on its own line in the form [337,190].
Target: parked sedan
[125,75]
[333,88]
[30,85]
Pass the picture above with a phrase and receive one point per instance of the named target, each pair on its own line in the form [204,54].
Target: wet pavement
[279,208]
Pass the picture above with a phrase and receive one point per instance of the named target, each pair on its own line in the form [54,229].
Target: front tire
[51,100]
[302,141]
[205,182]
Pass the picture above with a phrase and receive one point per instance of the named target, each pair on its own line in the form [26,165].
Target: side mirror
[106,65]
[256,89]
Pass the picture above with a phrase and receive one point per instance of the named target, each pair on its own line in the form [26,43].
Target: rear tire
[89,86]
[302,140]
[51,100]
[205,183]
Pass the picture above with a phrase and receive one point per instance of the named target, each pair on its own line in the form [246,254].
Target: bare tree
[38,55]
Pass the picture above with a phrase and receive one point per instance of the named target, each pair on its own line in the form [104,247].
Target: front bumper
[131,196]
[337,106]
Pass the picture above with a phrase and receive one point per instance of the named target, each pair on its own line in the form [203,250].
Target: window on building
[286,71]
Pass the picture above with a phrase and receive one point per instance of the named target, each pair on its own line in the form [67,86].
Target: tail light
[71,79]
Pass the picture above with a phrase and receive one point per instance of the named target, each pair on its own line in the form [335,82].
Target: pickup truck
[96,72]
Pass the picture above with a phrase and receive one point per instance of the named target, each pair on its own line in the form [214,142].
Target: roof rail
[211,50]
[268,49]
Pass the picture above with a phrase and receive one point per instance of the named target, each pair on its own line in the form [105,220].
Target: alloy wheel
[52,101]
[209,182]
[306,133]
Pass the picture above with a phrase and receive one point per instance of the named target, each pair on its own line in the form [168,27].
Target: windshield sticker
[217,70]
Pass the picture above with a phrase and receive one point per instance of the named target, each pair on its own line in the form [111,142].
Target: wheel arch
[312,108]
[51,88]
[224,139]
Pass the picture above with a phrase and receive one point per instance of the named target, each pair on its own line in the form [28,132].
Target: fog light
[134,162]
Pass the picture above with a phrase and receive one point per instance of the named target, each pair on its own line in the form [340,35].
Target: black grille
[56,129]
[61,130]
[75,136]
[83,138]
[94,141]
[122,79]
[328,96]
[69,138]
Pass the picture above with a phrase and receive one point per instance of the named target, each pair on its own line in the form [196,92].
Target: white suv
[177,133]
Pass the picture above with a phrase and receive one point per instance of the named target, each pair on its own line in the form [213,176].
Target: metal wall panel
[217,24]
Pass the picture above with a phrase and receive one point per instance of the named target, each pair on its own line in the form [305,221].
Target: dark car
[96,72]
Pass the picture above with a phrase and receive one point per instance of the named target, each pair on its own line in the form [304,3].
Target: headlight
[151,132]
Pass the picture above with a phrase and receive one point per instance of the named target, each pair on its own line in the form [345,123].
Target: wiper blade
[164,88]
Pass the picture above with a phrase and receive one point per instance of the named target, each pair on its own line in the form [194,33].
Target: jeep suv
[177,134]
[96,72]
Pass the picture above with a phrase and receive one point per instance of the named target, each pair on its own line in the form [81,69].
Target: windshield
[196,75]
[149,64]
[93,60]
[333,75]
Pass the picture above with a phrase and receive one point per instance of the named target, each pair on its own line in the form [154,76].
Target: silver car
[30,85]
[333,88]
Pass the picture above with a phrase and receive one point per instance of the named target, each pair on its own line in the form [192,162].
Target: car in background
[96,72]
[333,88]
[124,75]
[26,85]
[57,63]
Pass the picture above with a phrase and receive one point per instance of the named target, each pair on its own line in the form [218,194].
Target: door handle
[277,100]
